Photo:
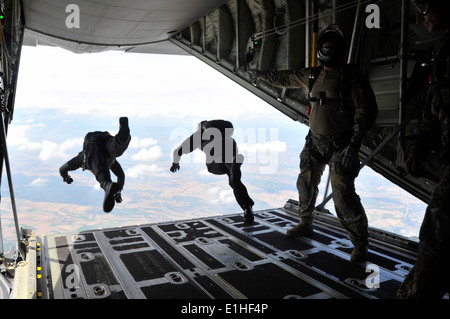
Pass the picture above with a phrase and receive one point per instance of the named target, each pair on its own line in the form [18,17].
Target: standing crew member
[342,110]
[100,150]
[214,139]
[429,277]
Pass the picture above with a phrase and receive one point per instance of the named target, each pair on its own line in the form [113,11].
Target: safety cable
[313,17]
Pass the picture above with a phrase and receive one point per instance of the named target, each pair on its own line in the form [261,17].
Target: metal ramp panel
[217,258]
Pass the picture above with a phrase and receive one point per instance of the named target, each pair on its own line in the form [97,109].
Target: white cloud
[217,195]
[17,136]
[73,143]
[24,121]
[30,146]
[142,171]
[39,182]
[51,150]
[136,142]
[148,155]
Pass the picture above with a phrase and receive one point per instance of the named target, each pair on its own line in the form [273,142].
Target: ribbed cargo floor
[217,258]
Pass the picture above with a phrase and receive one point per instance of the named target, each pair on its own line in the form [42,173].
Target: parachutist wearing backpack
[100,150]
[342,110]
[222,157]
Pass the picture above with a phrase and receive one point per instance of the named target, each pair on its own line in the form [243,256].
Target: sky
[61,96]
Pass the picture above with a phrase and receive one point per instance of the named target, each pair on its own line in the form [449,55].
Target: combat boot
[110,190]
[124,130]
[301,229]
[248,215]
[359,253]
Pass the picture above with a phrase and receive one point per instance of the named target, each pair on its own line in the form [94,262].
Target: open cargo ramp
[220,258]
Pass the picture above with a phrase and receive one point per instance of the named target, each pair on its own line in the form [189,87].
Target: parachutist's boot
[124,130]
[248,215]
[110,190]
[359,253]
[304,228]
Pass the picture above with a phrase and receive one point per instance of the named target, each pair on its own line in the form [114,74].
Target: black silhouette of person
[100,150]
[222,157]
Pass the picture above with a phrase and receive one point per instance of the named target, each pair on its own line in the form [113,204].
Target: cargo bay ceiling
[238,37]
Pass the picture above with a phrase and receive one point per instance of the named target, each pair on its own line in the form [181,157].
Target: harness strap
[338,141]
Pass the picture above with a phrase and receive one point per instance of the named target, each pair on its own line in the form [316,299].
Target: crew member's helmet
[331,46]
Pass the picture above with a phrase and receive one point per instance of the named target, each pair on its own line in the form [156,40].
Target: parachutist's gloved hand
[118,197]
[175,167]
[68,179]
[350,155]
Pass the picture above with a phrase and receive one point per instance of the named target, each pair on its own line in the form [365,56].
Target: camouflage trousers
[347,203]
[429,277]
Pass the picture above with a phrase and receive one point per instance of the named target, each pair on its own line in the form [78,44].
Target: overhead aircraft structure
[215,257]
